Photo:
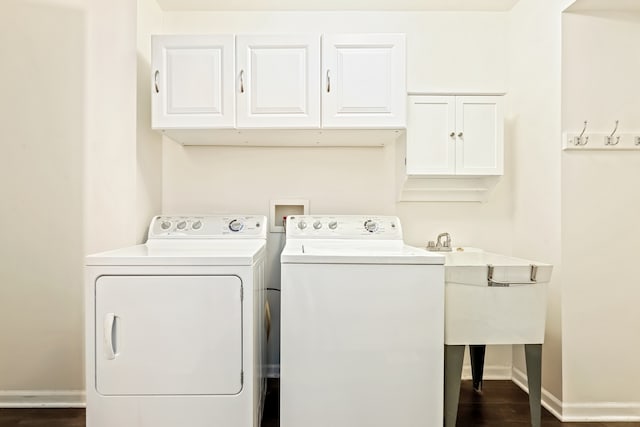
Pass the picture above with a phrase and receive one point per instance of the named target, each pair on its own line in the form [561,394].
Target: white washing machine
[362,325]
[175,329]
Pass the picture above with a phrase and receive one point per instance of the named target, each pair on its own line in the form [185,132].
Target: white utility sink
[494,299]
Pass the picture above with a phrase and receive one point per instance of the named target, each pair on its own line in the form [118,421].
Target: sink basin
[507,306]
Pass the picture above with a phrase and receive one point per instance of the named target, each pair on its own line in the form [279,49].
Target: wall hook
[609,139]
[577,140]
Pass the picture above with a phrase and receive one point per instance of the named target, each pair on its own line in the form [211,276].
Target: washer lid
[184,252]
[338,251]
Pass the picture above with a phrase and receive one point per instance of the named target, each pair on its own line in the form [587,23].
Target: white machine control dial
[236,225]
[333,225]
[181,225]
[197,225]
[317,225]
[371,226]
[302,225]
[165,225]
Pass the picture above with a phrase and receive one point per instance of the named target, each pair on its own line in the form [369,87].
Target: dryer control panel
[207,227]
[344,227]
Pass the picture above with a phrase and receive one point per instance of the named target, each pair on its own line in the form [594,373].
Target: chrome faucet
[440,246]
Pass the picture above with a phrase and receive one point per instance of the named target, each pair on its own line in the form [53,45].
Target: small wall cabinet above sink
[454,147]
[455,135]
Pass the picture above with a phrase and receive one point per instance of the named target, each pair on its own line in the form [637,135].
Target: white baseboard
[601,411]
[490,372]
[583,412]
[550,402]
[42,399]
[272,371]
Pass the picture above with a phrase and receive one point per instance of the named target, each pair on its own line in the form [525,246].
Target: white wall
[42,117]
[600,207]
[534,126]
[457,52]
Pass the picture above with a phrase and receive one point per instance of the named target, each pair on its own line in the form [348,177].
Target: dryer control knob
[236,225]
[302,225]
[165,225]
[371,226]
[197,225]
[333,225]
[181,225]
[317,225]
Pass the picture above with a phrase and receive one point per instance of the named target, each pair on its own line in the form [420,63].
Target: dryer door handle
[109,335]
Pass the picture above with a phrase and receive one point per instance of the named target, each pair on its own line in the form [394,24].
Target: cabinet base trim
[427,189]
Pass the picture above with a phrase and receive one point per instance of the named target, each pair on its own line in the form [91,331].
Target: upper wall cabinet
[192,82]
[279,81]
[338,85]
[364,80]
[455,135]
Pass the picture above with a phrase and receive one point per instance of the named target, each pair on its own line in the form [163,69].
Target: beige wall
[80,163]
[352,180]
[601,203]
[534,125]
[148,142]
[43,120]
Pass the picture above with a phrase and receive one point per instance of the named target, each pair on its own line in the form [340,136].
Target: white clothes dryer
[175,331]
[362,325]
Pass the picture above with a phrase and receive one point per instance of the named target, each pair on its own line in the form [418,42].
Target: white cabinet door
[364,81]
[455,135]
[168,335]
[431,148]
[278,81]
[479,135]
[192,82]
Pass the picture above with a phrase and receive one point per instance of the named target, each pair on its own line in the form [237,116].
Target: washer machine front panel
[362,325]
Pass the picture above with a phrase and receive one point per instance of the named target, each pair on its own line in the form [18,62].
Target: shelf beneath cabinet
[285,137]
[446,189]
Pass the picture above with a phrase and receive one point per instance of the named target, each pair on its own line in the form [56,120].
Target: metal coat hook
[578,139]
[609,139]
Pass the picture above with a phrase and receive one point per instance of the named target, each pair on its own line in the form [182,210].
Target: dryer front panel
[168,335]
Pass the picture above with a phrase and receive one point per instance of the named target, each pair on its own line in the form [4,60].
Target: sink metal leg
[477,364]
[453,357]
[533,356]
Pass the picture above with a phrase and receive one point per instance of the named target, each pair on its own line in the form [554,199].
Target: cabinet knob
[460,135]
[452,134]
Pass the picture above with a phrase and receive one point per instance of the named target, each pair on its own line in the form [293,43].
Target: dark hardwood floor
[501,404]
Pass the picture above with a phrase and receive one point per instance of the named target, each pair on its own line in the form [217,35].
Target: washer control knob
[371,226]
[165,225]
[197,225]
[236,225]
[181,225]
[302,225]
[333,225]
[317,225]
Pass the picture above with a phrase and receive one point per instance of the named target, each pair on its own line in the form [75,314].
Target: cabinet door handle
[108,333]
[328,81]
[155,81]
[452,134]
[460,135]
[241,81]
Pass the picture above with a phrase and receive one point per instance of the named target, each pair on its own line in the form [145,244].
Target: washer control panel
[344,227]
[207,226]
